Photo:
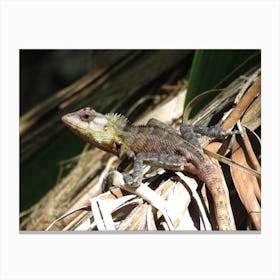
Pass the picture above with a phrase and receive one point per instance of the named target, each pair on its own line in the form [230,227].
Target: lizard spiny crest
[117,120]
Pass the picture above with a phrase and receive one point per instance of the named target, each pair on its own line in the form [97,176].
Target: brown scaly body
[156,144]
[154,139]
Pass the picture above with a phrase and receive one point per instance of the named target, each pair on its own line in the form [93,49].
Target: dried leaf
[245,184]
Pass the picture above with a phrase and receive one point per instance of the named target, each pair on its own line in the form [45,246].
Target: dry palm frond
[176,201]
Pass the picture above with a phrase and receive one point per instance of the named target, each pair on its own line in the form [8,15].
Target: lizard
[156,144]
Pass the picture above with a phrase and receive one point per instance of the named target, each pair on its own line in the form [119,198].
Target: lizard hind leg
[187,132]
[213,131]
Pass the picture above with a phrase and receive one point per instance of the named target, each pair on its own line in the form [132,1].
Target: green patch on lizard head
[97,129]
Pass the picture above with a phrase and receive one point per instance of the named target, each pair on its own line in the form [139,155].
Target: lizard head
[97,129]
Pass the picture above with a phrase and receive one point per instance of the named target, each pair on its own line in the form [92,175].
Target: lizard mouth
[75,127]
[65,119]
[68,121]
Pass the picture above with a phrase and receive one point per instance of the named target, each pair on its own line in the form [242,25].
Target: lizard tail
[219,193]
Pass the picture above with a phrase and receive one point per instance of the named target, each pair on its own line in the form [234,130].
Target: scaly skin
[156,144]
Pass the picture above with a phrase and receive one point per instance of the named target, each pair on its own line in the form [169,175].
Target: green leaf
[213,69]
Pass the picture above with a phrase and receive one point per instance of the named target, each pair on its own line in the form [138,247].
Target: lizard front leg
[166,161]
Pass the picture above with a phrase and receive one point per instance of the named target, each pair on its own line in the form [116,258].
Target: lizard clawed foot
[130,180]
[113,180]
[117,179]
[218,132]
[221,133]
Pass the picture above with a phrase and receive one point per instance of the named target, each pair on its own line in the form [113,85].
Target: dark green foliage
[216,69]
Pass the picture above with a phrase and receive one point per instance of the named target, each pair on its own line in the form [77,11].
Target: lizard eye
[87,115]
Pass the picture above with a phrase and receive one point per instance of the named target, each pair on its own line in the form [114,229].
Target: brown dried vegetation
[166,200]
